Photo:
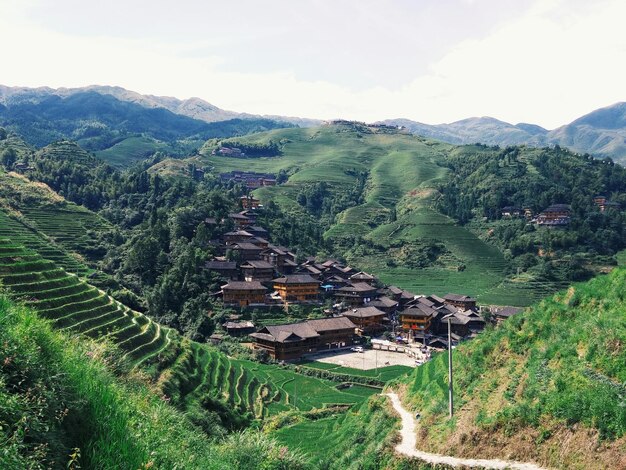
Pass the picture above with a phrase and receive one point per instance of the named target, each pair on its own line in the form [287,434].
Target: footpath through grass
[559,365]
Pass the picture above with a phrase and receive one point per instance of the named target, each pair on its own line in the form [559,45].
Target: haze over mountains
[601,132]
[81,113]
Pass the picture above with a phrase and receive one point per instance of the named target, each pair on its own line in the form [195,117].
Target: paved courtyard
[370,359]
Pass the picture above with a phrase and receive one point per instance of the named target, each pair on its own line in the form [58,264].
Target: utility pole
[450,398]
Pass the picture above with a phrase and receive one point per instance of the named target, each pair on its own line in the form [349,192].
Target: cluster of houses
[556,215]
[261,275]
[251,179]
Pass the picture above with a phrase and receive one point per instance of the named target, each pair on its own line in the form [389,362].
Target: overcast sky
[540,61]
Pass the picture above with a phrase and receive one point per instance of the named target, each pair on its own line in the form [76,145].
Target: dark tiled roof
[326,324]
[245,246]
[221,265]
[385,302]
[296,279]
[238,217]
[458,298]
[274,249]
[357,287]
[362,276]
[418,310]
[364,312]
[394,290]
[244,285]
[257,265]
[509,311]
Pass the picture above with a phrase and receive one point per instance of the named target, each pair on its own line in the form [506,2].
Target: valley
[113,248]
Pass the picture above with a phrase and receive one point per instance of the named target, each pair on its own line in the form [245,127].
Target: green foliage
[60,406]
[562,360]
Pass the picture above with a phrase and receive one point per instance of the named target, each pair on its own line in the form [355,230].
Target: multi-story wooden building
[227,269]
[416,320]
[356,295]
[249,202]
[257,270]
[297,288]
[237,236]
[464,302]
[363,277]
[246,251]
[292,341]
[367,319]
[243,294]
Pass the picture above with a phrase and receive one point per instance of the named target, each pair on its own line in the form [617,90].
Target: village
[360,313]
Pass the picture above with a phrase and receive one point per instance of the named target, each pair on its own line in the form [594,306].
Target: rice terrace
[394,237]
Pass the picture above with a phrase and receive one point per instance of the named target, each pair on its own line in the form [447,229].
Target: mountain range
[102,116]
[601,132]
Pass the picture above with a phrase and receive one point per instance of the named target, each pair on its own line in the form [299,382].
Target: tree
[8,158]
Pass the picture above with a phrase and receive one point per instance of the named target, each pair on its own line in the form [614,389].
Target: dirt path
[409,440]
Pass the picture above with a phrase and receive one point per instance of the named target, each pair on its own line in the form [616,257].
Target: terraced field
[73,228]
[73,305]
[21,234]
[261,389]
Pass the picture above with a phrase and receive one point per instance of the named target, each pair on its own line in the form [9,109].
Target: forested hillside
[122,132]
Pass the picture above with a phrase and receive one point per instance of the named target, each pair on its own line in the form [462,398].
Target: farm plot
[73,305]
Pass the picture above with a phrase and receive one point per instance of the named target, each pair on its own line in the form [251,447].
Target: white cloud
[547,66]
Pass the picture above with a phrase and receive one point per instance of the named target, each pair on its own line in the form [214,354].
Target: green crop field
[75,306]
[384,374]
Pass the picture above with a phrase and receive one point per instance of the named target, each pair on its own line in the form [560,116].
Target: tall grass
[60,397]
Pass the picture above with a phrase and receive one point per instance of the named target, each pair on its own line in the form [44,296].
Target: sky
[545,62]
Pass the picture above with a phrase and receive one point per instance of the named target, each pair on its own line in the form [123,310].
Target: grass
[75,306]
[559,364]
[62,407]
[384,374]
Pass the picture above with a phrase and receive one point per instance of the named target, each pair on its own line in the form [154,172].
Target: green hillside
[377,206]
[548,384]
[402,171]
[123,131]
[62,406]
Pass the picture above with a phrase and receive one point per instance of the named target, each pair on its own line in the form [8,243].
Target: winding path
[409,441]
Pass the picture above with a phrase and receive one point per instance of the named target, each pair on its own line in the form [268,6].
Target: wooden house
[258,231]
[239,328]
[257,270]
[416,320]
[511,211]
[292,341]
[241,221]
[246,251]
[243,294]
[249,202]
[505,313]
[363,277]
[227,269]
[385,304]
[367,319]
[460,301]
[557,215]
[237,236]
[297,288]
[356,295]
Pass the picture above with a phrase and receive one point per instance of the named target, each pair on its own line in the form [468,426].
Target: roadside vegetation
[552,375]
